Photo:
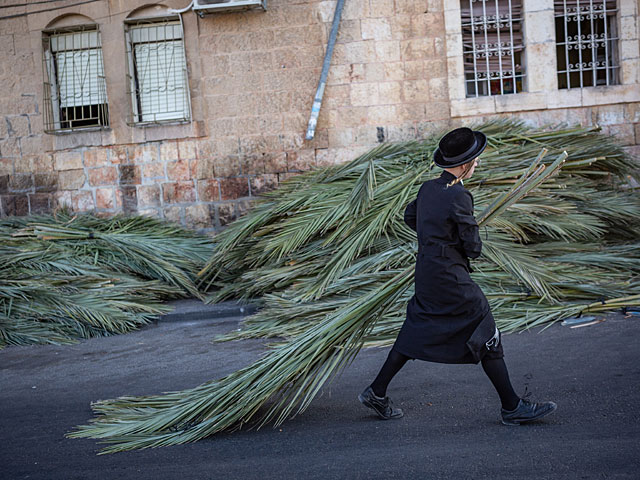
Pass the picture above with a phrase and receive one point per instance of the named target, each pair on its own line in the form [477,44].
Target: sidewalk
[451,427]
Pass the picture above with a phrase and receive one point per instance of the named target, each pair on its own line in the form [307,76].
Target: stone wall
[252,79]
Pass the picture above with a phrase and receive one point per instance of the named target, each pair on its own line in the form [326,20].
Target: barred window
[586,38]
[157,72]
[75,93]
[493,46]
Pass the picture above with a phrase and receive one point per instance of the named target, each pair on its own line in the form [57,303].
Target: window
[74,90]
[586,38]
[157,72]
[492,46]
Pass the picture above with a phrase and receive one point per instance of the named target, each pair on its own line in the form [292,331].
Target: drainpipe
[317,101]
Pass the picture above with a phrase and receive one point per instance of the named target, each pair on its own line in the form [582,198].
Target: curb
[193,309]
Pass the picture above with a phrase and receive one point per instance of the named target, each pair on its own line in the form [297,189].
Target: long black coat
[447,307]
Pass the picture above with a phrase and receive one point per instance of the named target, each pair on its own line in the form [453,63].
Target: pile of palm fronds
[330,255]
[65,277]
[327,237]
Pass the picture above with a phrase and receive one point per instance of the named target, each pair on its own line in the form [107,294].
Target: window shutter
[160,69]
[79,69]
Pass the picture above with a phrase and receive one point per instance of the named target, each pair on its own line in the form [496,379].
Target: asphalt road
[451,427]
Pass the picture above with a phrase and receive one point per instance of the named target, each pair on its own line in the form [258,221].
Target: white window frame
[82,84]
[164,99]
[541,90]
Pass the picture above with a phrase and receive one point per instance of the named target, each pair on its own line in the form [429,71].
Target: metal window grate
[75,93]
[157,72]
[492,46]
[586,39]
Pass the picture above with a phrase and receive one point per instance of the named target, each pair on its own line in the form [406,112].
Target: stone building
[128,106]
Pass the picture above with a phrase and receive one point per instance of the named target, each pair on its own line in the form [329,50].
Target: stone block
[348,117]
[227,166]
[199,216]
[628,27]
[417,48]
[105,198]
[209,190]
[401,133]
[61,199]
[301,160]
[636,127]
[290,141]
[96,157]
[382,115]
[82,201]
[275,162]
[244,206]
[252,164]
[355,52]
[150,212]
[15,205]
[18,126]
[408,112]
[539,27]
[415,91]
[439,89]
[438,111]
[178,170]
[10,148]
[633,151]
[205,168]
[226,213]
[144,153]
[173,214]
[364,94]
[118,155]
[130,175]
[67,160]
[42,163]
[127,198]
[377,29]
[20,182]
[263,183]
[341,137]
[623,133]
[610,115]
[374,72]
[349,31]
[4,183]
[103,176]
[71,179]
[148,195]
[394,71]
[39,203]
[187,150]
[153,170]
[233,188]
[178,192]
[366,135]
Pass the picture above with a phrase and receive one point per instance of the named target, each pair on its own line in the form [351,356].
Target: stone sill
[520,102]
[79,130]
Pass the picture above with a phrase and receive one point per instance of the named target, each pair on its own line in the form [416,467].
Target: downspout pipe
[317,101]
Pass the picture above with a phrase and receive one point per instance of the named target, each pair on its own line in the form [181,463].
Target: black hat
[458,147]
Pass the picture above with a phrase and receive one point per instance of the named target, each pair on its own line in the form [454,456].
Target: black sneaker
[527,411]
[382,406]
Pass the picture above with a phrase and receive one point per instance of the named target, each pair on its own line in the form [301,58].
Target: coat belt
[438,250]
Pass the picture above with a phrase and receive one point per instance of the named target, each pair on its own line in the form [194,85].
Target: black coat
[447,307]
